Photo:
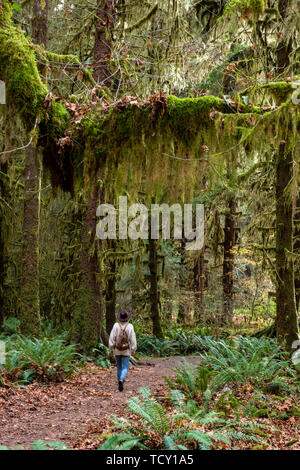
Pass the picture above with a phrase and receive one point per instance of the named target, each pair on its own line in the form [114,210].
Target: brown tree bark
[199,286]
[154,293]
[285,45]
[3,255]
[30,301]
[87,328]
[39,23]
[297,252]
[286,320]
[181,317]
[101,62]
[111,294]
[228,260]
[103,41]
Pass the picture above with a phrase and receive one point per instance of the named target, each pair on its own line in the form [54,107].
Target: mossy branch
[69,60]
[143,20]
[244,176]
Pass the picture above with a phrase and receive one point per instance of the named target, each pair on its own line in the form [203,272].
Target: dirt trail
[65,411]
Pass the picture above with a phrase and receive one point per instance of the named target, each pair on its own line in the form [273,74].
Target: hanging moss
[56,120]
[23,83]
[69,60]
[5,14]
[83,329]
[279,90]
[186,116]
[132,140]
[143,20]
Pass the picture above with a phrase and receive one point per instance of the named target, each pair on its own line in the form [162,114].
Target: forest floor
[70,410]
[77,411]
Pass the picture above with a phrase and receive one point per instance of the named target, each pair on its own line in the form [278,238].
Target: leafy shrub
[148,346]
[43,359]
[49,331]
[187,426]
[227,403]
[179,343]
[9,327]
[247,359]
[190,379]
[102,356]
[155,428]
[122,441]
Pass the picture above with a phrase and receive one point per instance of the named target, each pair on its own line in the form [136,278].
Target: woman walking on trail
[122,343]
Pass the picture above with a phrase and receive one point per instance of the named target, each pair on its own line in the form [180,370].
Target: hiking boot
[121,385]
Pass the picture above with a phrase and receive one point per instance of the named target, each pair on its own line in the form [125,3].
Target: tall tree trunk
[3,224]
[286,321]
[102,74]
[154,294]
[87,324]
[199,286]
[111,294]
[228,260]
[103,41]
[88,313]
[297,251]
[285,45]
[30,301]
[168,311]
[286,318]
[199,275]
[39,23]
[181,317]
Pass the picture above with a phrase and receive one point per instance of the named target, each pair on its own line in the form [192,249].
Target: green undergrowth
[222,403]
[50,358]
[46,359]
[182,424]
[228,401]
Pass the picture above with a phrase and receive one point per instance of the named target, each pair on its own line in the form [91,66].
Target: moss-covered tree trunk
[199,286]
[154,292]
[287,328]
[103,41]
[285,43]
[89,308]
[228,259]
[39,21]
[3,231]
[297,249]
[168,310]
[181,317]
[111,293]
[30,302]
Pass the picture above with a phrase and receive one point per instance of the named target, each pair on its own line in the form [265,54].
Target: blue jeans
[122,366]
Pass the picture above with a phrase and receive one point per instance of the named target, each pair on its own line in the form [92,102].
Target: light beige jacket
[131,339]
